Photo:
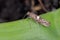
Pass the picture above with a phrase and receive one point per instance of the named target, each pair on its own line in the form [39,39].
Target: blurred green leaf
[28,29]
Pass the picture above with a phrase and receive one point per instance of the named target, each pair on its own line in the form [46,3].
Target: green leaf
[28,29]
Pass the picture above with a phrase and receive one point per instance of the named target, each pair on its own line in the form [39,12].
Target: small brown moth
[38,19]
